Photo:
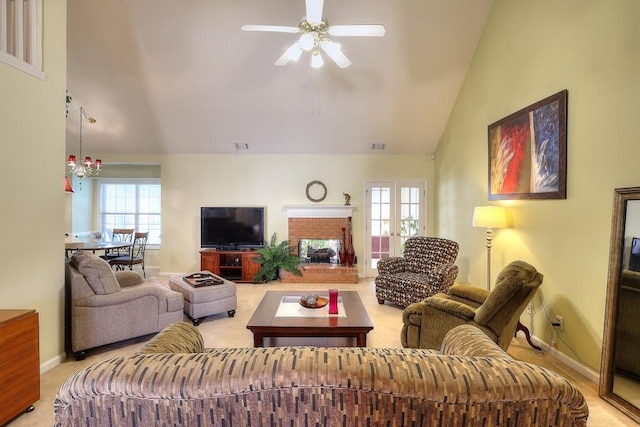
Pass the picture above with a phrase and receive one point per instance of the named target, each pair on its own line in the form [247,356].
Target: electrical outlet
[468,279]
[559,321]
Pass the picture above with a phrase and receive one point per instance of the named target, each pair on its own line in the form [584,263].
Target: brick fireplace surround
[319,222]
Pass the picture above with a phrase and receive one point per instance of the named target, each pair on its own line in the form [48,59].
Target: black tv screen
[634,257]
[231,227]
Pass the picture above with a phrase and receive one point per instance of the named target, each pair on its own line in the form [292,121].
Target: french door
[395,211]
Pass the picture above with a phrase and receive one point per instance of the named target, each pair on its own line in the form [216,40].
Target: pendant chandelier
[86,167]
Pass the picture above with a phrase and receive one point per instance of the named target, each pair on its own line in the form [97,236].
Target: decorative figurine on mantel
[347,199]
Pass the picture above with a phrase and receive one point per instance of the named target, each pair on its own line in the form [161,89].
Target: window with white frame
[21,35]
[130,204]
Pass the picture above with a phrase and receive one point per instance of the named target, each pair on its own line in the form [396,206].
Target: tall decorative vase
[350,255]
[350,252]
[342,254]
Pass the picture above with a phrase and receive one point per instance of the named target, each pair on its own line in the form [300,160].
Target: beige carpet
[222,331]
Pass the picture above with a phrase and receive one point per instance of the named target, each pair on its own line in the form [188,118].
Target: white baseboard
[584,370]
[52,363]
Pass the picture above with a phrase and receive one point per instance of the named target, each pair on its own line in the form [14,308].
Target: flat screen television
[634,257]
[231,227]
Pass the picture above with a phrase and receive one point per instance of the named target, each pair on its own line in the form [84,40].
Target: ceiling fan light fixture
[314,30]
[316,59]
[308,40]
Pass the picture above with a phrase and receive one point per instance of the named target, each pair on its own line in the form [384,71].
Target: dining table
[94,246]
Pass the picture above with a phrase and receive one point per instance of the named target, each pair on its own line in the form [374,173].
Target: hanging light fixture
[86,167]
[316,59]
[315,31]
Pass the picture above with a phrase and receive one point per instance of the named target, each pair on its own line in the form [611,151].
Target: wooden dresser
[19,363]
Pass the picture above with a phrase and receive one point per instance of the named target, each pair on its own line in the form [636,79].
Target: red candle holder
[333,301]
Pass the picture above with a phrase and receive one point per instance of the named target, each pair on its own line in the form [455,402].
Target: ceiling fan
[315,31]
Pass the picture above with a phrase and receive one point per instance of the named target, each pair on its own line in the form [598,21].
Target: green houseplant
[274,257]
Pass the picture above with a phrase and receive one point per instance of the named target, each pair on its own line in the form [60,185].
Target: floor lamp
[489,217]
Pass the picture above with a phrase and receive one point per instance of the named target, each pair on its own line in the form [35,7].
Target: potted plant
[273,257]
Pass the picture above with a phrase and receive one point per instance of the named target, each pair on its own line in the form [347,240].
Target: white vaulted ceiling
[166,76]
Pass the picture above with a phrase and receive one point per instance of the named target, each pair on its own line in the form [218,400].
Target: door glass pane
[409,213]
[375,212]
[380,223]
[375,196]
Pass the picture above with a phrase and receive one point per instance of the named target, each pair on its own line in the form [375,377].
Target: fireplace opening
[321,251]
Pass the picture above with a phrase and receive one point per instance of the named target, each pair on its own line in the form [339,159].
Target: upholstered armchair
[496,312]
[425,268]
[103,307]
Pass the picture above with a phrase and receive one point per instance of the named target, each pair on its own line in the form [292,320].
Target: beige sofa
[174,380]
[103,307]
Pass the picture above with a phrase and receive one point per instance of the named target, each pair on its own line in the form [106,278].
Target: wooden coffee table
[354,322]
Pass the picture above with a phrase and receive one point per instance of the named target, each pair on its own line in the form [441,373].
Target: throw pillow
[128,278]
[97,272]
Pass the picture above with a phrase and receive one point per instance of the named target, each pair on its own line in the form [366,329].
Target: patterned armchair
[426,268]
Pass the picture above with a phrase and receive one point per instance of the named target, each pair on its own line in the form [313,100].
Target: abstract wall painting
[528,152]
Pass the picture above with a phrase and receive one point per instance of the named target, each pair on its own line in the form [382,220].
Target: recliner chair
[496,312]
[103,307]
[425,268]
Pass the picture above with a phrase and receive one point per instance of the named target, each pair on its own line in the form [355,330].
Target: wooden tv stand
[236,265]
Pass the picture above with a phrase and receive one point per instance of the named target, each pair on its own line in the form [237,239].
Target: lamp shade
[316,60]
[67,186]
[489,217]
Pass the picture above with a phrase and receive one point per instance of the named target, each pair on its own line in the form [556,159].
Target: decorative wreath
[322,191]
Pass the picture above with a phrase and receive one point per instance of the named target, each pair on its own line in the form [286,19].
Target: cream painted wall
[32,134]
[528,51]
[192,181]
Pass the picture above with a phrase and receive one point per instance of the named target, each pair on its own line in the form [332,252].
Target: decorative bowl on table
[313,301]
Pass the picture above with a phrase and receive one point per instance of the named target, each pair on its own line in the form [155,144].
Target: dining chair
[119,235]
[135,255]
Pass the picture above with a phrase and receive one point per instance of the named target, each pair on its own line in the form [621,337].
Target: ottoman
[200,302]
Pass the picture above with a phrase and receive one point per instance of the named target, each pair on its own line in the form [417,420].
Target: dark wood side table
[19,363]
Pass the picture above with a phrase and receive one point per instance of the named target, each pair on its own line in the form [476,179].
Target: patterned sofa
[174,381]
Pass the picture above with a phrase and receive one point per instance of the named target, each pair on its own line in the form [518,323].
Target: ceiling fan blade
[291,54]
[283,60]
[314,11]
[334,52]
[365,30]
[270,28]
